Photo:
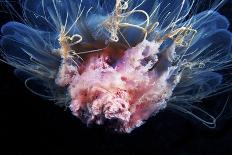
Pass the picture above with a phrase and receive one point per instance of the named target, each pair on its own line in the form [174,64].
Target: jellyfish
[119,62]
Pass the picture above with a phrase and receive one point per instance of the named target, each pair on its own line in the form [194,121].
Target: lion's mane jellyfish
[119,62]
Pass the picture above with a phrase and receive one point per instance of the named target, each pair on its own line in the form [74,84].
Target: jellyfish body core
[119,62]
[127,91]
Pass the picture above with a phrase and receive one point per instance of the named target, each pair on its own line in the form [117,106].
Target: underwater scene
[116,76]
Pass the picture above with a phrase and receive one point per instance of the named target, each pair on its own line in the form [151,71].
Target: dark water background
[28,124]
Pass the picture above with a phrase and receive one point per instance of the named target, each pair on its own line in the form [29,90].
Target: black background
[29,124]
